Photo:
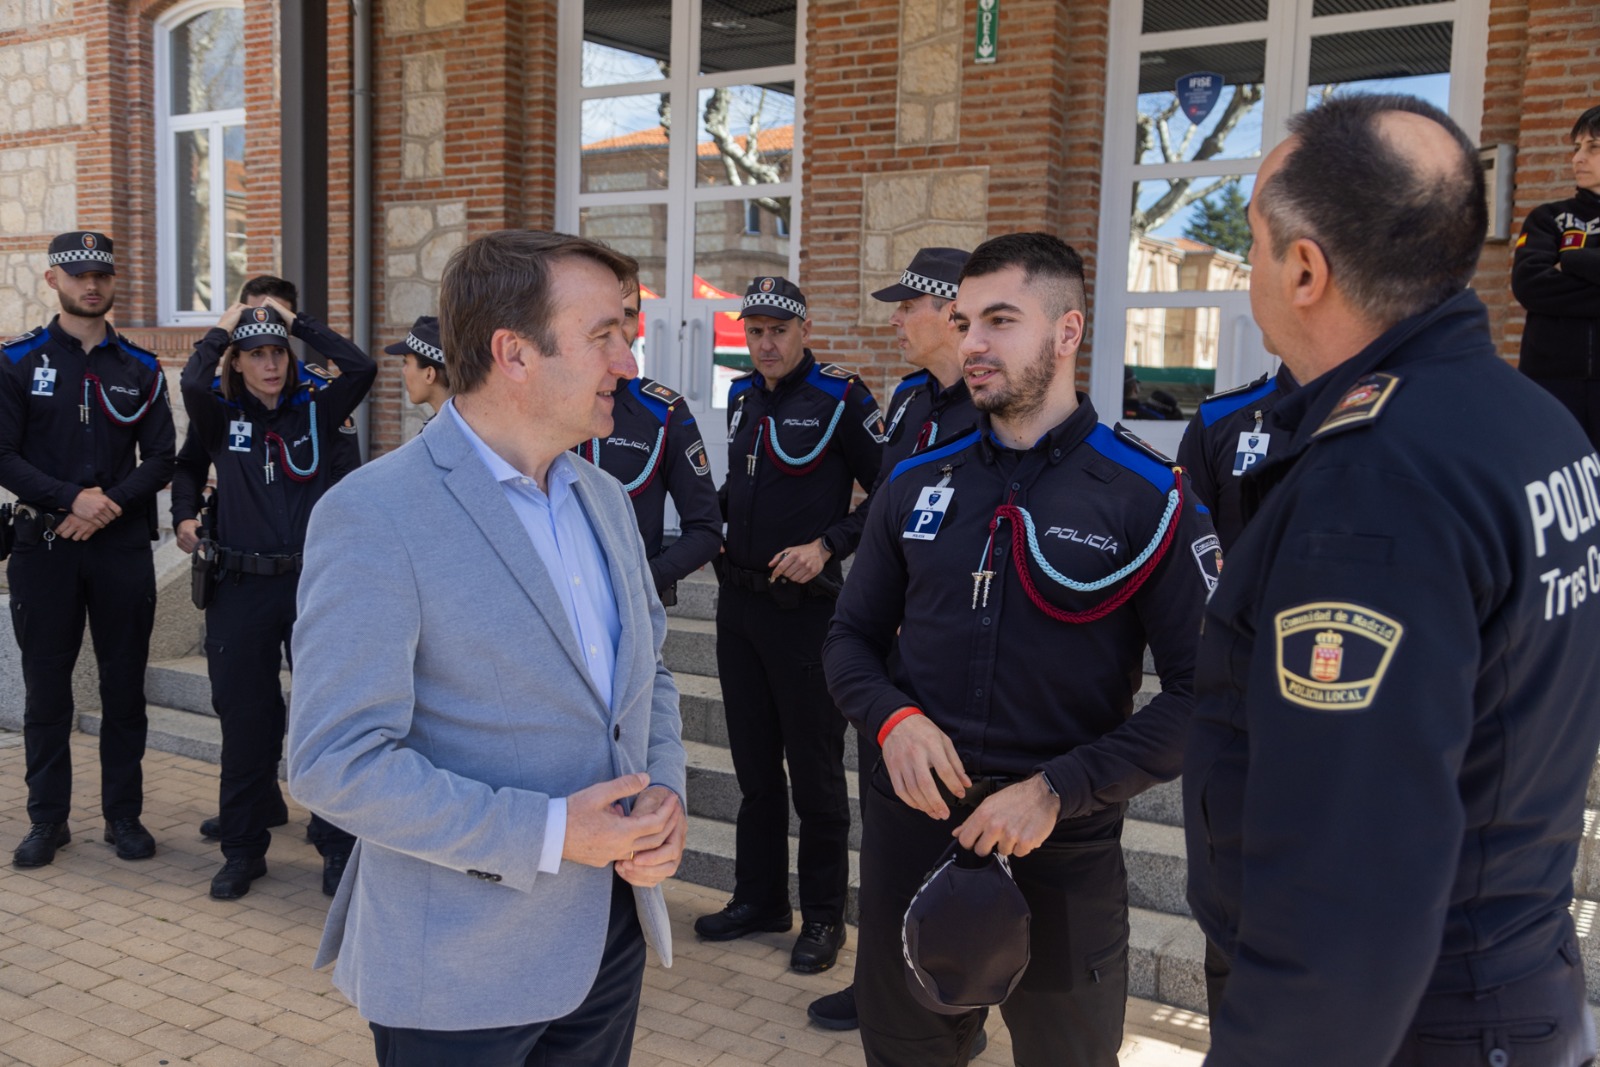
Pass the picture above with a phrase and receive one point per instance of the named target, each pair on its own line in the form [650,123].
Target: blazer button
[616,733]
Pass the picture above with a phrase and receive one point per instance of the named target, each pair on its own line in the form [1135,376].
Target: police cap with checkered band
[776,298]
[422,342]
[82,252]
[260,326]
[933,272]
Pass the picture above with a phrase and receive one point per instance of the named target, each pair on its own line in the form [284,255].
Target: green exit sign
[987,48]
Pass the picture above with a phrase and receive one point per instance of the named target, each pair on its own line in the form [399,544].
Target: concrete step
[691,646]
[714,791]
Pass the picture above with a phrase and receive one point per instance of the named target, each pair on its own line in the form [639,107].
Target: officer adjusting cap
[933,272]
[422,342]
[260,326]
[82,252]
[776,298]
[966,934]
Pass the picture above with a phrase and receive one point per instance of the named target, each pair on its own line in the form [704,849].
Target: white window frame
[168,126]
[1287,30]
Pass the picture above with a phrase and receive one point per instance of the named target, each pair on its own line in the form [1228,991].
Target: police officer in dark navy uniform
[1394,725]
[1228,436]
[86,442]
[422,366]
[267,435]
[654,449]
[193,472]
[799,433]
[1022,568]
[930,406]
[1556,276]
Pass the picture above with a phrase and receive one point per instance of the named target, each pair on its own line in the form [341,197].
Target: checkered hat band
[424,349]
[80,255]
[931,286]
[256,329]
[770,300]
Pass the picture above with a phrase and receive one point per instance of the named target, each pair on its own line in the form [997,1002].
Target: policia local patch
[1332,656]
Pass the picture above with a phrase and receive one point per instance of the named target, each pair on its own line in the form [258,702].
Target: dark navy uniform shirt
[1555,275]
[922,416]
[1395,717]
[1227,436]
[194,462]
[272,466]
[1016,690]
[654,449]
[71,420]
[781,490]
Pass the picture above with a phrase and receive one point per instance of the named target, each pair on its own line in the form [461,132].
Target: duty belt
[33,525]
[237,562]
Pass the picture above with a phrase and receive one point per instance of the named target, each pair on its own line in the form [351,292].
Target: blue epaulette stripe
[932,454]
[1223,406]
[18,350]
[738,386]
[910,381]
[1105,442]
[147,358]
[834,387]
[654,405]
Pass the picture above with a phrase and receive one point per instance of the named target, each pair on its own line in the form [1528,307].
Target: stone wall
[904,212]
[44,85]
[929,109]
[422,126]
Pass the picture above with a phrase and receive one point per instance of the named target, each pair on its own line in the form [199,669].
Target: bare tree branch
[1180,191]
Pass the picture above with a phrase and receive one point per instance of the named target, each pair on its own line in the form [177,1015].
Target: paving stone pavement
[108,962]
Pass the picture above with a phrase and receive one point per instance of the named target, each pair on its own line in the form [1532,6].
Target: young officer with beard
[268,437]
[86,442]
[1023,568]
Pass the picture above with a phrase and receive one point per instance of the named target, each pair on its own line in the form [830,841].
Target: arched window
[200,175]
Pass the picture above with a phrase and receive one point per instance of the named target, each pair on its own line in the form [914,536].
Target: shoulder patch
[319,372]
[1127,449]
[960,444]
[18,347]
[833,370]
[1218,406]
[1362,403]
[1332,656]
[663,393]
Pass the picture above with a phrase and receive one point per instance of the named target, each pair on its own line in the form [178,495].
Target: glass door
[1197,94]
[679,145]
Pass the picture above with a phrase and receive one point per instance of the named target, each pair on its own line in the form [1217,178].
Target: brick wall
[1543,71]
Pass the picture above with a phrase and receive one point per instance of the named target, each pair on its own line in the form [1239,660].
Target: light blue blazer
[440,701]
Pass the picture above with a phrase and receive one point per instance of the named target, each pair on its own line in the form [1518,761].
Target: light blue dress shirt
[572,556]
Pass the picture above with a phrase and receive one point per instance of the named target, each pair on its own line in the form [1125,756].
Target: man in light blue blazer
[479,695]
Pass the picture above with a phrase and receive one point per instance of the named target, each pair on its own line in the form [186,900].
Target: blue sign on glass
[1198,94]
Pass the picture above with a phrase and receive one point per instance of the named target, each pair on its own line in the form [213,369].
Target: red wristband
[895,720]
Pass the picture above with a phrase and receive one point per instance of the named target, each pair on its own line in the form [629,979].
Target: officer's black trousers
[248,627]
[1068,1009]
[777,705]
[54,585]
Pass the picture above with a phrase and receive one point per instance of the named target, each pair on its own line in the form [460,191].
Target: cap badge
[767,285]
[88,240]
[261,314]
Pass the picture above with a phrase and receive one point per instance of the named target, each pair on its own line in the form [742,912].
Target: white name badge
[239,436]
[44,381]
[1252,450]
[926,519]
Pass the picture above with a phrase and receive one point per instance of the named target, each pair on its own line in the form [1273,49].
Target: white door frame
[1287,30]
[679,327]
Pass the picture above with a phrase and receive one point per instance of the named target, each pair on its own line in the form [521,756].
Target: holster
[203,574]
[30,526]
[668,594]
[8,535]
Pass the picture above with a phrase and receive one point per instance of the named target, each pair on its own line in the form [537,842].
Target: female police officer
[268,437]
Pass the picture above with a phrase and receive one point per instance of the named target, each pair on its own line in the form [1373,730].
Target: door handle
[696,360]
[655,345]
